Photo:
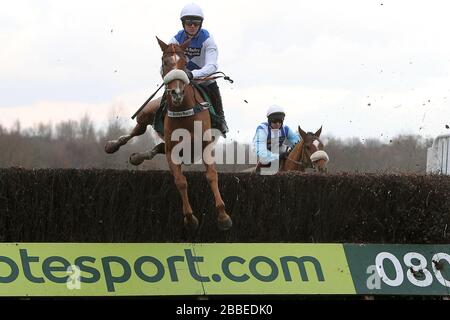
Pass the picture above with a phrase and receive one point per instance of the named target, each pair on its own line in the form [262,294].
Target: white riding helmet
[275,109]
[192,10]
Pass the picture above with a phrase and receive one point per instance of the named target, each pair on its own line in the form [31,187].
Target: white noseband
[176,74]
[319,155]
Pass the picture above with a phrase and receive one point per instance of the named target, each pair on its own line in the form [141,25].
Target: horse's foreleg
[190,221]
[137,158]
[144,118]
[114,145]
[223,220]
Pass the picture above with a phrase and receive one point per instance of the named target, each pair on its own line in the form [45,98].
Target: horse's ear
[317,134]
[162,44]
[185,44]
[302,133]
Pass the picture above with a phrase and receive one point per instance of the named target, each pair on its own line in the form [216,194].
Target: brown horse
[186,122]
[308,153]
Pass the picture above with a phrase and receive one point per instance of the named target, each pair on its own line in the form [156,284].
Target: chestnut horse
[185,111]
[308,153]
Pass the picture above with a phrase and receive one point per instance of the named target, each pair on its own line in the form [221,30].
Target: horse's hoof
[191,222]
[111,147]
[225,224]
[136,159]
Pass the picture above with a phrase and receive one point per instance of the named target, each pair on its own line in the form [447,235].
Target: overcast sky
[363,69]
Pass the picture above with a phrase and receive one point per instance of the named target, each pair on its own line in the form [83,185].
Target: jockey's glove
[189,74]
[283,155]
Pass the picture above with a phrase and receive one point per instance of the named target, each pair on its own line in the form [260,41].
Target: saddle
[158,122]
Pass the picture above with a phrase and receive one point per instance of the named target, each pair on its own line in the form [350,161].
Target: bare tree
[77,144]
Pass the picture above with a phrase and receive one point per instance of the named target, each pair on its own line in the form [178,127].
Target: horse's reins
[210,77]
[296,162]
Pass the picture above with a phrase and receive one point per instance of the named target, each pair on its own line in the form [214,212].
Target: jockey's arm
[292,138]
[211,55]
[260,147]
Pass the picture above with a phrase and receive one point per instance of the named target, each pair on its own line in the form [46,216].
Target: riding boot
[216,101]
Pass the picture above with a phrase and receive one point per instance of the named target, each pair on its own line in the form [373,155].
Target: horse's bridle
[176,73]
[174,53]
[309,163]
[296,162]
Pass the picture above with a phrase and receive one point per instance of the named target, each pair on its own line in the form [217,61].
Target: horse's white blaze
[316,143]
[178,88]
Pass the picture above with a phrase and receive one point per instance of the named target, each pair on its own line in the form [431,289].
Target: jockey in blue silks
[268,132]
[202,55]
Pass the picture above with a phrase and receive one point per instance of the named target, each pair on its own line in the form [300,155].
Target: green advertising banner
[399,269]
[275,269]
[106,269]
[110,269]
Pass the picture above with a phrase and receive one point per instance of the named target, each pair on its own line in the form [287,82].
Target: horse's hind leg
[137,158]
[144,118]
[223,220]
[190,221]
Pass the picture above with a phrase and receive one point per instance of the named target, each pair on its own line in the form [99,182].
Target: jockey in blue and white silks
[273,131]
[202,55]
